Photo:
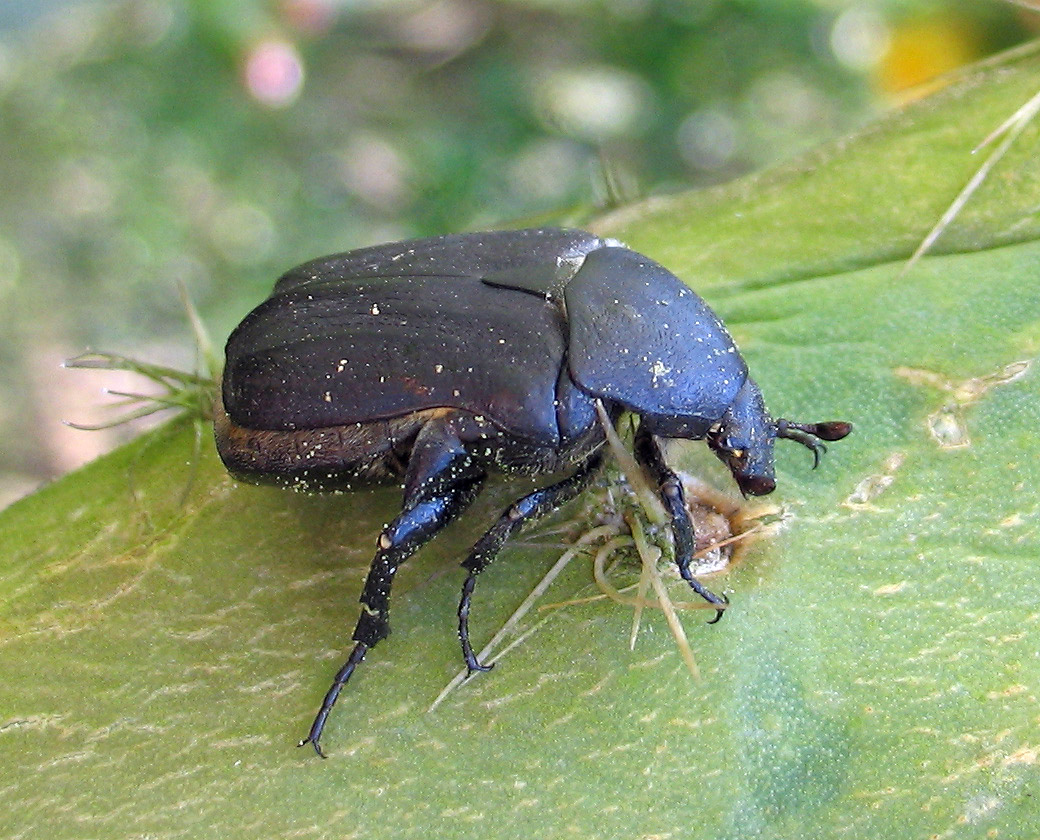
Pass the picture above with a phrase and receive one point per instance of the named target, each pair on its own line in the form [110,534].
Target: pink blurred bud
[274,72]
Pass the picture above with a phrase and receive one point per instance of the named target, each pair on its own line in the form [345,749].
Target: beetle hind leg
[441,483]
[518,514]
[648,453]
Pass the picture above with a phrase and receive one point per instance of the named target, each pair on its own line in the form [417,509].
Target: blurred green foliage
[218,142]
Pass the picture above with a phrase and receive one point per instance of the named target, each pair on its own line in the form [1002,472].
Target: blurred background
[219,142]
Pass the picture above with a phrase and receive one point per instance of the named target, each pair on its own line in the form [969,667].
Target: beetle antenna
[809,435]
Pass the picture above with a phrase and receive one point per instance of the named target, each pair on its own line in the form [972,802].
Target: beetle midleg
[522,511]
[442,481]
[648,454]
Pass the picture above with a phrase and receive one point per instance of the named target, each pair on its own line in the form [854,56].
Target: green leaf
[166,634]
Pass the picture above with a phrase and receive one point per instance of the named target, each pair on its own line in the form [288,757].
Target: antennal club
[809,435]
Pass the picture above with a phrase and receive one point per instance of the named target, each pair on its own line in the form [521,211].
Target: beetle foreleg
[522,511]
[648,453]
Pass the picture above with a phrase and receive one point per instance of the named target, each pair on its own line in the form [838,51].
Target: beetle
[434,362]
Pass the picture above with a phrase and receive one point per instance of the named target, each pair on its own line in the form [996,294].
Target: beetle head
[743,439]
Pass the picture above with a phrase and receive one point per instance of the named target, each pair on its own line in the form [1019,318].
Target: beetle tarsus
[343,675]
[720,602]
[719,612]
[472,663]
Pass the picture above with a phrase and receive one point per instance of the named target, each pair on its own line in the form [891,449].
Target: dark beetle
[436,361]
